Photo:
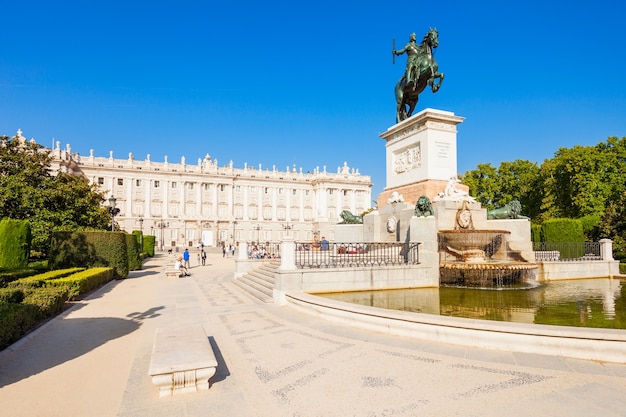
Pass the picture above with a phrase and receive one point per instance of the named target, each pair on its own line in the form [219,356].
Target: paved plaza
[93,360]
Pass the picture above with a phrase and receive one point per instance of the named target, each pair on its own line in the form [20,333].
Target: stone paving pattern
[93,360]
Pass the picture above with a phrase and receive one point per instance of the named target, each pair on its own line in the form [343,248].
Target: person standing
[203,258]
[186,258]
[198,259]
[324,244]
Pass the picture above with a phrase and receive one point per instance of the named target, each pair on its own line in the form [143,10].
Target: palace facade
[187,204]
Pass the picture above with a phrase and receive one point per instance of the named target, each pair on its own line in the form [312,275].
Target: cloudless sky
[309,82]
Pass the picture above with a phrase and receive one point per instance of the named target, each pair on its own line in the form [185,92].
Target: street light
[258,234]
[113,210]
[233,237]
[161,225]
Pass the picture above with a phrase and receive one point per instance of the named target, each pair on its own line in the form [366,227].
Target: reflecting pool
[598,302]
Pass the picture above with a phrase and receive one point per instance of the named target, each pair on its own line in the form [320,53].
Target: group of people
[259,252]
[182,262]
[228,250]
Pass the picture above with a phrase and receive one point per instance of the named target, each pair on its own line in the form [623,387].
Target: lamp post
[258,234]
[234,224]
[113,210]
[162,225]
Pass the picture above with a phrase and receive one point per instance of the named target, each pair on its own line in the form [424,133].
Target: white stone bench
[182,360]
[172,273]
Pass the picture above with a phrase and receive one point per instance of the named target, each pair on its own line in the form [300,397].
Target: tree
[29,191]
[613,225]
[495,187]
[579,181]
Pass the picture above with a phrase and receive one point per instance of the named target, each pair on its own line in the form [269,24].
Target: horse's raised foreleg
[431,81]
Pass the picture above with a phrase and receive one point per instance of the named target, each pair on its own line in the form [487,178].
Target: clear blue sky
[310,83]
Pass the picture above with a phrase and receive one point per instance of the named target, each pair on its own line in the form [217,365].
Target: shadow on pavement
[62,341]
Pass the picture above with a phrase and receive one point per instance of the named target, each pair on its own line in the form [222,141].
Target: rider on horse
[412,50]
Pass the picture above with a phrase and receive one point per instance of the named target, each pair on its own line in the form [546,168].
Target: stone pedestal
[420,155]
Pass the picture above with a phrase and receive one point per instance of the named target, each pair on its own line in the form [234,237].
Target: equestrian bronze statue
[421,71]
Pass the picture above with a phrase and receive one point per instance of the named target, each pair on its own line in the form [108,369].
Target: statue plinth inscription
[420,154]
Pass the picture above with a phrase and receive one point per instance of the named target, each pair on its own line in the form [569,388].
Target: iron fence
[567,251]
[344,255]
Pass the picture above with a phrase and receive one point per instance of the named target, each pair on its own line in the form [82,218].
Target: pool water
[599,302]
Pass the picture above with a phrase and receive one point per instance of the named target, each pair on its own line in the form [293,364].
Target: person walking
[186,258]
[203,258]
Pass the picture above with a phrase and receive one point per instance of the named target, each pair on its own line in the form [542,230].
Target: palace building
[185,204]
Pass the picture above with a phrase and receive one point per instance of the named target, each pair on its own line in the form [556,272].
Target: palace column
[245,202]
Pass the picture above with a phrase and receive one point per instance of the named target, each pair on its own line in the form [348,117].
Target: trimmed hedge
[90,249]
[148,245]
[59,273]
[10,276]
[562,230]
[15,321]
[31,300]
[15,238]
[39,304]
[82,282]
[132,253]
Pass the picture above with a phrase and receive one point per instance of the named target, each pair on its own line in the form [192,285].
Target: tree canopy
[578,182]
[29,191]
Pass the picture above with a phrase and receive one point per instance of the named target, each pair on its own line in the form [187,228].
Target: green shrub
[562,230]
[48,300]
[90,249]
[11,295]
[148,245]
[15,238]
[132,252]
[590,226]
[82,282]
[12,275]
[56,274]
[15,321]
[535,232]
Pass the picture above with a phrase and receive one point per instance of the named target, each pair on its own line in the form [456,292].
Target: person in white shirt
[181,268]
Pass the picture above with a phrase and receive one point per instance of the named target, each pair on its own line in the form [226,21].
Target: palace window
[190,185]
[101,180]
[156,184]
[294,192]
[120,181]
[138,183]
[174,185]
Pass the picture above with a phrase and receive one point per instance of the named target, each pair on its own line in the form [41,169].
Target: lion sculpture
[511,210]
[423,207]
[349,218]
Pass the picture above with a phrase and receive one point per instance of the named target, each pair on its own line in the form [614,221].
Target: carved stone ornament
[464,217]
[392,223]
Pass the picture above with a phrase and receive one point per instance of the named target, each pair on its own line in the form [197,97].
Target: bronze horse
[425,72]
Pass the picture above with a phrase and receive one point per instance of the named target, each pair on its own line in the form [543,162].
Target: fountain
[481,258]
